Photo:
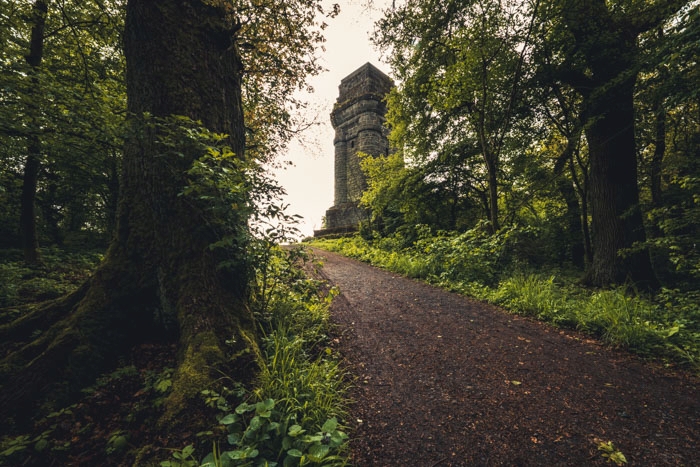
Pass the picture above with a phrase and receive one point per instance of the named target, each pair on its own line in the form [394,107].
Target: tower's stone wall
[358,120]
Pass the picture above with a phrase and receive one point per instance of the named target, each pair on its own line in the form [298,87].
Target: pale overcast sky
[309,183]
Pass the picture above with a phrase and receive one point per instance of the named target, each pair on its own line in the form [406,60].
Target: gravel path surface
[443,380]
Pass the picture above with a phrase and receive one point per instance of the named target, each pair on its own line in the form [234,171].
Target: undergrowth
[291,416]
[494,268]
[60,272]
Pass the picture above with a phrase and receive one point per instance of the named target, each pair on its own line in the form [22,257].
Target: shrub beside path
[443,380]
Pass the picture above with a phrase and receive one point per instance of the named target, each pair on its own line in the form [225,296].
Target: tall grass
[291,416]
[299,372]
[534,295]
[619,319]
[312,389]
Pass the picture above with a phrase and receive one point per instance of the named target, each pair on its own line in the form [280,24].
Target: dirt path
[447,381]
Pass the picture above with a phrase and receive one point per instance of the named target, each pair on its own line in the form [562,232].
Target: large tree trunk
[614,194]
[181,60]
[603,71]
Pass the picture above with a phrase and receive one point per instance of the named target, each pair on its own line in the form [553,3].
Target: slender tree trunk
[659,151]
[659,256]
[27,216]
[659,142]
[50,215]
[581,189]
[27,221]
[181,60]
[573,216]
[491,167]
[587,245]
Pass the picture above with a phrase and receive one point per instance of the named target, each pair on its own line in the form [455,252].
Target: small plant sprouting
[164,381]
[610,452]
[118,442]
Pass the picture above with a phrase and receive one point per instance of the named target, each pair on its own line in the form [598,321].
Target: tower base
[342,219]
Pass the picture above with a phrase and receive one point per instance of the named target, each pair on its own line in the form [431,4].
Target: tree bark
[659,151]
[491,167]
[159,269]
[603,71]
[573,217]
[581,187]
[27,218]
[614,195]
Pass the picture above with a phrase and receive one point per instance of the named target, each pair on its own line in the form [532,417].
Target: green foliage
[472,256]
[301,388]
[74,104]
[264,436]
[182,458]
[237,200]
[290,417]
[611,453]
[298,372]
[676,250]
[279,40]
[492,114]
[532,295]
[14,450]
[311,388]
[118,442]
[453,114]
[14,445]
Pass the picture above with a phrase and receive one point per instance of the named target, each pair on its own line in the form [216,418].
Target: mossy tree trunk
[181,60]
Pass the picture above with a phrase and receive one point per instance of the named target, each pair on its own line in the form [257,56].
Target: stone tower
[358,120]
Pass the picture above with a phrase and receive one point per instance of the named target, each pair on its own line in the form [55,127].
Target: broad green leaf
[229,419]
[318,451]
[330,425]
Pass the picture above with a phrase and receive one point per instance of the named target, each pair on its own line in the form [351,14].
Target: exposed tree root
[100,322]
[37,317]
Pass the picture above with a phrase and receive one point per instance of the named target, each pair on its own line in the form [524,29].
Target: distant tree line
[580,118]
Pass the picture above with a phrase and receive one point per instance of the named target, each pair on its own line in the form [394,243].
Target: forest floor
[442,380]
